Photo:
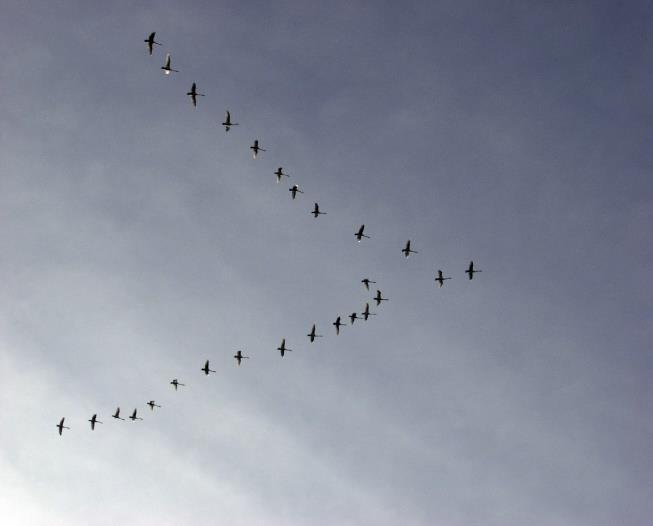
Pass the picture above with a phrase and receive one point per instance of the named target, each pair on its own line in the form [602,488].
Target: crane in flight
[407,251]
[359,235]
[206,368]
[150,41]
[353,317]
[316,211]
[279,173]
[133,417]
[227,122]
[117,414]
[255,149]
[470,270]
[94,421]
[193,94]
[367,282]
[337,324]
[166,67]
[378,298]
[440,278]
[153,404]
[176,383]
[312,335]
[61,426]
[366,313]
[295,190]
[282,348]
[239,356]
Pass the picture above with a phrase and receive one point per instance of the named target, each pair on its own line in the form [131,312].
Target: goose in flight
[61,426]
[359,235]
[312,335]
[367,282]
[407,251]
[117,414]
[193,94]
[337,324]
[366,313]
[295,190]
[255,148]
[282,348]
[316,211]
[133,418]
[279,173]
[166,67]
[440,278]
[353,317]
[378,298]
[153,404]
[239,356]
[94,421]
[227,122]
[206,368]
[470,270]
[176,383]
[150,41]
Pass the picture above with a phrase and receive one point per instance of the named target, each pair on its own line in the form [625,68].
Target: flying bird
[279,173]
[206,368]
[316,211]
[470,270]
[150,41]
[440,278]
[353,317]
[282,348]
[367,282]
[133,418]
[117,414]
[94,421]
[338,324]
[166,67]
[295,190]
[407,251]
[255,148]
[152,405]
[378,298]
[239,356]
[366,313]
[359,235]
[194,94]
[227,122]
[61,426]
[176,383]
[312,335]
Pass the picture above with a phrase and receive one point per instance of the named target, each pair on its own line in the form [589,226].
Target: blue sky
[140,240]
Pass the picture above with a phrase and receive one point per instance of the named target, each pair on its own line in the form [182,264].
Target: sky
[139,239]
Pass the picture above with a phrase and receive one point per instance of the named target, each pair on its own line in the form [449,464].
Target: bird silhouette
[239,356]
[471,271]
[440,278]
[61,426]
[227,122]
[359,235]
[312,335]
[193,94]
[94,421]
[166,67]
[150,41]
[282,348]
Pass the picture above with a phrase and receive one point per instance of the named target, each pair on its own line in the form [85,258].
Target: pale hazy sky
[139,239]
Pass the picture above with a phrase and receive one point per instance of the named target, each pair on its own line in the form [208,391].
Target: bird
[312,335]
[440,279]
[227,122]
[366,313]
[133,418]
[239,356]
[359,235]
[353,317]
[367,282]
[206,368]
[295,190]
[338,324]
[255,148]
[378,297]
[282,348]
[61,426]
[94,421]
[194,94]
[316,211]
[176,383]
[407,251]
[166,67]
[150,41]
[470,270]
[279,173]
[117,414]
[152,405]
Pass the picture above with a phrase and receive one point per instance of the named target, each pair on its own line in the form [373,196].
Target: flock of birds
[316,212]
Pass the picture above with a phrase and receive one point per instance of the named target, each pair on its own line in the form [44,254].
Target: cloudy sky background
[139,240]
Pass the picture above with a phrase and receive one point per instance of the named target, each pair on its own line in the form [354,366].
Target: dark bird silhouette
[407,251]
[279,173]
[94,421]
[133,418]
[378,298]
[316,211]
[440,278]
[152,405]
[194,94]
[366,313]
[255,149]
[295,190]
[176,383]
[338,324]
[470,270]
[282,348]
[227,122]
[359,235]
[353,317]
[150,41]
[312,335]
[367,282]
[239,356]
[61,426]
[117,414]
[206,368]
[166,67]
